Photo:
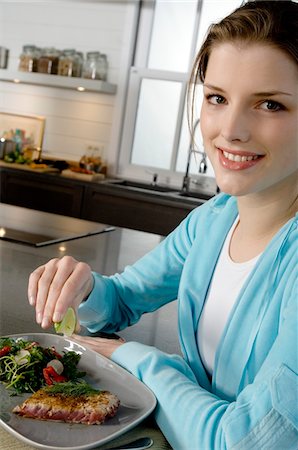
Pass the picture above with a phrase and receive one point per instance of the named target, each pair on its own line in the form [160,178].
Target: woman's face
[249,118]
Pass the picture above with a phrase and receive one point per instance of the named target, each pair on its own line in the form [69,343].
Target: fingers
[72,289]
[57,285]
[33,284]
[38,288]
[102,346]
[50,287]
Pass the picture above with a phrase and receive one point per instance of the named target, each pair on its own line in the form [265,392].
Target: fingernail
[57,317]
[32,300]
[45,322]
[38,317]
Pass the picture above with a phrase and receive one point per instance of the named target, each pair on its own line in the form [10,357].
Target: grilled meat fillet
[88,408]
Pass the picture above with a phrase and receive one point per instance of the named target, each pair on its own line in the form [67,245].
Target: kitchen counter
[107,253]
[144,209]
[172,195]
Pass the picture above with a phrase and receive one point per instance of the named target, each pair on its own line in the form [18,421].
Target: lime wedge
[68,323]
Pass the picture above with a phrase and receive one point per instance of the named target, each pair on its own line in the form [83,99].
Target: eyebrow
[257,94]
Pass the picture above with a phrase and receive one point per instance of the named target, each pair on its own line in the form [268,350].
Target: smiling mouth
[239,158]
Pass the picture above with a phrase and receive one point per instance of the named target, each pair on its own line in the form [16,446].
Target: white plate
[137,402]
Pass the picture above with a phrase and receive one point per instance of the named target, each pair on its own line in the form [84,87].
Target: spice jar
[70,64]
[48,61]
[103,67]
[91,66]
[28,58]
[79,57]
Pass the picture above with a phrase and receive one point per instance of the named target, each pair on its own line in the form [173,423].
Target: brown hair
[273,22]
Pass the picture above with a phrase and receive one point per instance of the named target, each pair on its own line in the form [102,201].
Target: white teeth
[239,158]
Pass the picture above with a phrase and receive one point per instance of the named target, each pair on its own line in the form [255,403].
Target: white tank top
[227,281]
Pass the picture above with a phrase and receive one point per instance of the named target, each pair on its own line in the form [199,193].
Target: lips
[238,160]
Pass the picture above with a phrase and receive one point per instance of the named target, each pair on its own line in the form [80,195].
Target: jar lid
[28,48]
[69,51]
[92,54]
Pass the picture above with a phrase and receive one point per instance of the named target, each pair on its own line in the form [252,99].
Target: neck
[264,214]
[261,215]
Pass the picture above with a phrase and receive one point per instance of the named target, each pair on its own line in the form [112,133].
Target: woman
[231,263]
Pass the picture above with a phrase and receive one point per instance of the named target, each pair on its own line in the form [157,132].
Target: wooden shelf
[73,83]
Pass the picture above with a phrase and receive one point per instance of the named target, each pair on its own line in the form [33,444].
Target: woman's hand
[57,285]
[102,346]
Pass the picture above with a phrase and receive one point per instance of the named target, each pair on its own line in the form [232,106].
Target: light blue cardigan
[252,402]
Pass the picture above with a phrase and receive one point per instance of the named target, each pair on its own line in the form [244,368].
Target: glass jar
[97,158]
[28,59]
[48,61]
[91,66]
[70,63]
[103,67]
[79,58]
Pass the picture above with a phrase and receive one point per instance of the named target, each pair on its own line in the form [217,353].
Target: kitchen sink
[171,192]
[142,185]
[194,194]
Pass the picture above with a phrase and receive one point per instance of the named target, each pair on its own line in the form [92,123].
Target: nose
[235,125]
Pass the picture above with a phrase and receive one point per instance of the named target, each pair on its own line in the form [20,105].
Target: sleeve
[119,301]
[263,416]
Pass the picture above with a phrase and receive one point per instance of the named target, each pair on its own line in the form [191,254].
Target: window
[157,110]
[155,131]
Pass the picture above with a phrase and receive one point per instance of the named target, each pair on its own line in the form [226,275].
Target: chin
[234,183]
[232,188]
[234,193]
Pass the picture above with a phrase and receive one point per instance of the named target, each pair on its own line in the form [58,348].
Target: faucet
[154,177]
[203,162]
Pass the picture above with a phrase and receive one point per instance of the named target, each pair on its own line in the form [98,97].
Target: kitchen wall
[74,119]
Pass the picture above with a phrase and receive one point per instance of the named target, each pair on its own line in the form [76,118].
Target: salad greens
[25,366]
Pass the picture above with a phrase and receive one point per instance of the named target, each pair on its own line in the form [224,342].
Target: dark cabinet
[136,211]
[47,193]
[90,201]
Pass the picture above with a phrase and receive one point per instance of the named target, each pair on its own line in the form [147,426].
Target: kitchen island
[107,251]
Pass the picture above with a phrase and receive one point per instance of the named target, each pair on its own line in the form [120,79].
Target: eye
[216,99]
[271,105]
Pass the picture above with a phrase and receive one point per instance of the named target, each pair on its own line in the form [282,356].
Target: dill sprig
[70,388]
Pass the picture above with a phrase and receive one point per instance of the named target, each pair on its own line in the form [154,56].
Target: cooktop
[41,240]
[36,228]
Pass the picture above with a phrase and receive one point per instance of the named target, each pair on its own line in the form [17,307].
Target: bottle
[18,139]
[97,158]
